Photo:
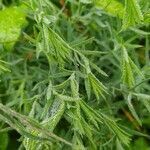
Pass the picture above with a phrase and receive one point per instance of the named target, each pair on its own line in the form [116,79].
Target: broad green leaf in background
[12,20]
[113,7]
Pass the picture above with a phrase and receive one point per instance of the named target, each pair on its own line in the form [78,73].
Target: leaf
[80,125]
[87,87]
[146,103]
[12,20]
[3,67]
[74,86]
[49,91]
[129,70]
[54,46]
[19,122]
[56,112]
[77,141]
[135,68]
[50,123]
[101,118]
[147,17]
[4,141]
[118,145]
[132,14]
[98,69]
[131,108]
[113,7]
[97,86]
[123,136]
[85,1]
[127,73]
[90,115]
[145,99]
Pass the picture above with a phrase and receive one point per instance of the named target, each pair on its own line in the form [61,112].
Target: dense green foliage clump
[74,74]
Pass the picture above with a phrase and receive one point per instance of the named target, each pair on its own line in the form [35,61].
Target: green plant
[75,74]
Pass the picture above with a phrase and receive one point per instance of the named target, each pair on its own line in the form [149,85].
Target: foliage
[74,74]
[10,25]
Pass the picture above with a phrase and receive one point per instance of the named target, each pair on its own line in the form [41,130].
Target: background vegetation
[75,74]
